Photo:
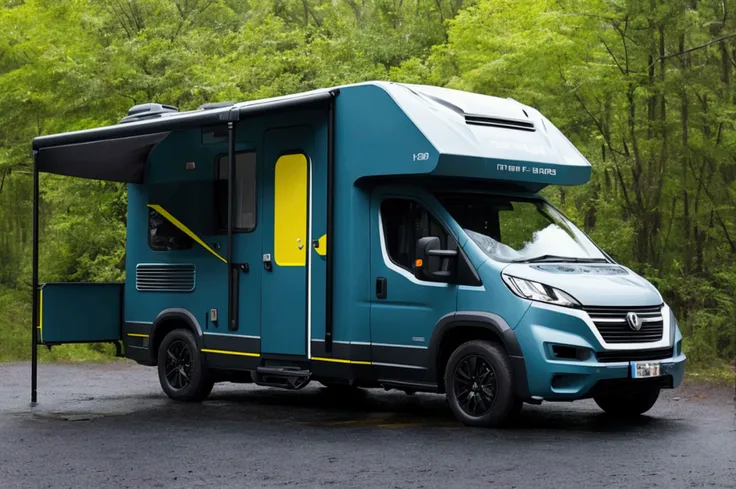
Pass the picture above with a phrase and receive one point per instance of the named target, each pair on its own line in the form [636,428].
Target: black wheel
[478,382]
[631,401]
[181,368]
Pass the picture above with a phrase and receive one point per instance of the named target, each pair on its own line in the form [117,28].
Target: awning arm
[34,285]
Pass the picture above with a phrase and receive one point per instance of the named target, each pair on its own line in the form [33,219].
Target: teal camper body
[373,235]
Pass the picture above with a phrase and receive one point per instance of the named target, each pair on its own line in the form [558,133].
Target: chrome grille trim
[612,325]
[165,277]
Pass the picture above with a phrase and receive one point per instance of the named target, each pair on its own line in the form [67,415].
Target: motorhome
[375,235]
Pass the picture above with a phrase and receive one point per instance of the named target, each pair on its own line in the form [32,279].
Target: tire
[188,378]
[628,402]
[479,384]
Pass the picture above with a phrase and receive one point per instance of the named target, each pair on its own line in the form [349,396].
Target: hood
[591,284]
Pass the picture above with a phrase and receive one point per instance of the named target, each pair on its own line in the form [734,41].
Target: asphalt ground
[110,426]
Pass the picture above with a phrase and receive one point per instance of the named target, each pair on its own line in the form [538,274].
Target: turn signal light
[418,263]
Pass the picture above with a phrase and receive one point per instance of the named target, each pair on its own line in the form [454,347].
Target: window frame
[218,231]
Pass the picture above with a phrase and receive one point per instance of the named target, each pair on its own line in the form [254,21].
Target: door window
[290,210]
[404,222]
[244,189]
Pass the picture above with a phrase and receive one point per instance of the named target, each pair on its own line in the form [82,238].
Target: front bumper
[545,328]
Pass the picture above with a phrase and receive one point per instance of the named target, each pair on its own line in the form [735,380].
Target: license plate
[642,370]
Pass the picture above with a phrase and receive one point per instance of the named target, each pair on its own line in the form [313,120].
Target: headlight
[673,326]
[535,291]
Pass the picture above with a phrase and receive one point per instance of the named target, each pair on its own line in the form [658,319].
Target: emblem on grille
[634,321]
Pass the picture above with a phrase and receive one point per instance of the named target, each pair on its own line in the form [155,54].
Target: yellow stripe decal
[40,315]
[184,229]
[138,335]
[340,360]
[225,352]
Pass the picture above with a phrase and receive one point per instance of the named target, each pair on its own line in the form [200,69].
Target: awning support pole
[34,285]
[329,243]
[232,309]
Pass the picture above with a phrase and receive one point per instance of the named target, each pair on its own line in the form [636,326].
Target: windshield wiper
[567,259]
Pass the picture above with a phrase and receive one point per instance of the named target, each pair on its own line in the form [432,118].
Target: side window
[164,236]
[244,189]
[404,222]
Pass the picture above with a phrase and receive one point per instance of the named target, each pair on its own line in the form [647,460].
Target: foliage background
[645,89]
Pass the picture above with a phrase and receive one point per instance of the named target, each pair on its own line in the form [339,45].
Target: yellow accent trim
[184,229]
[40,315]
[322,248]
[138,335]
[225,352]
[340,360]
[290,211]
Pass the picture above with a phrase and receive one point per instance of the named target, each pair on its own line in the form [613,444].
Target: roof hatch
[148,111]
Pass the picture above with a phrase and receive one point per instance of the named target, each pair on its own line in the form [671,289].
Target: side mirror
[433,264]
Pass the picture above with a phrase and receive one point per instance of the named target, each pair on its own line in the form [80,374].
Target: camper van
[376,235]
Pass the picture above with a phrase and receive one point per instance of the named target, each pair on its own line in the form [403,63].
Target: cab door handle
[381,288]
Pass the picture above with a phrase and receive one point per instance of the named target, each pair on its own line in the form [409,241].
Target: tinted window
[245,192]
[404,222]
[165,236]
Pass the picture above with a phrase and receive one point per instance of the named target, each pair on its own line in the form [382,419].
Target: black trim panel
[342,351]
[401,373]
[415,357]
[219,361]
[231,342]
[137,347]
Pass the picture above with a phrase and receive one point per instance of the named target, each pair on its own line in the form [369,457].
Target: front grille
[164,277]
[612,324]
[634,355]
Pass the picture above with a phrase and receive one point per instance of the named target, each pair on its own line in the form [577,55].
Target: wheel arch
[169,320]
[456,328]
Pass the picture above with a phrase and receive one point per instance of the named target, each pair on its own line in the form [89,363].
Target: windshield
[512,229]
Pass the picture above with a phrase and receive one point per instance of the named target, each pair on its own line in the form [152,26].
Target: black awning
[115,160]
[119,153]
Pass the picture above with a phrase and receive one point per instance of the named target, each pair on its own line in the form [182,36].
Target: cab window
[404,222]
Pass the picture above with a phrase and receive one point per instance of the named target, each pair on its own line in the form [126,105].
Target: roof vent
[216,105]
[147,111]
[480,120]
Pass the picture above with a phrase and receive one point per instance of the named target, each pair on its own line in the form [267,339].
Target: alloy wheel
[179,365]
[475,385]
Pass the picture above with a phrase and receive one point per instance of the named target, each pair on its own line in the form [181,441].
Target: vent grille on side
[479,120]
[164,278]
[614,328]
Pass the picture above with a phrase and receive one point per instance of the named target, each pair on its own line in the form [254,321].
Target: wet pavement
[110,426]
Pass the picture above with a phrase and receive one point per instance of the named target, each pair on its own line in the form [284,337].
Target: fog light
[570,352]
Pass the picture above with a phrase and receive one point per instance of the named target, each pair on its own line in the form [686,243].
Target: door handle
[381,288]
[267,265]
